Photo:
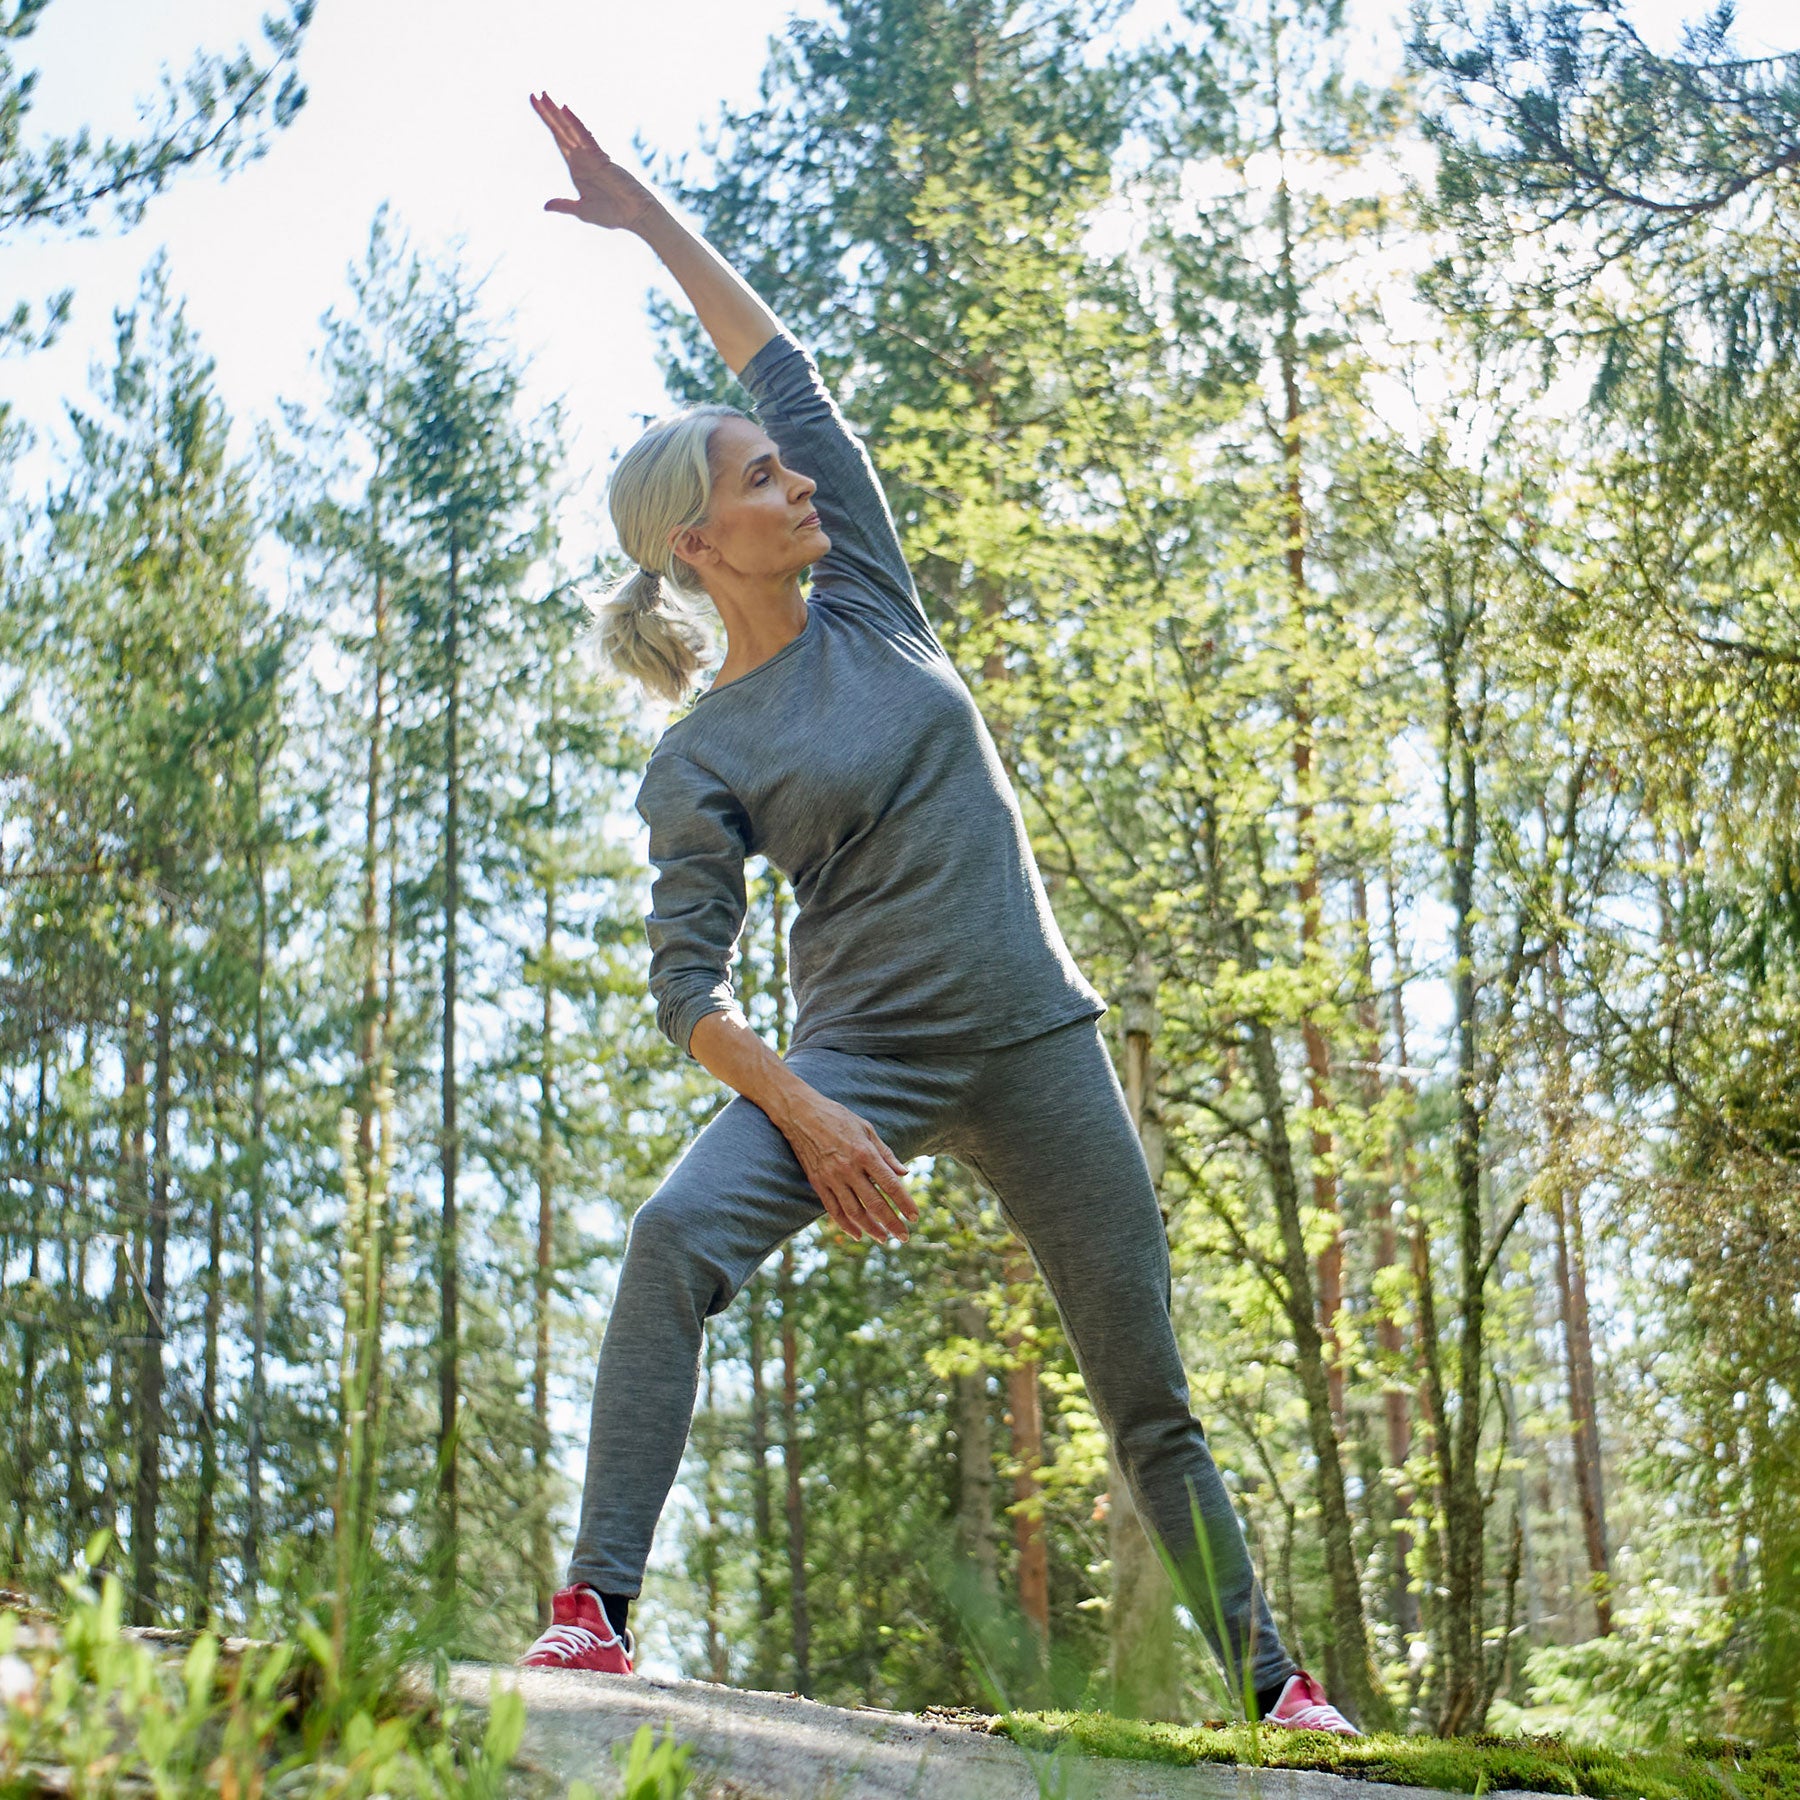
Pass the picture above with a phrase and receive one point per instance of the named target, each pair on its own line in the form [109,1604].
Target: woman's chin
[811,546]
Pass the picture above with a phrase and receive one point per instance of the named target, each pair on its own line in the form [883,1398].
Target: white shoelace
[571,1641]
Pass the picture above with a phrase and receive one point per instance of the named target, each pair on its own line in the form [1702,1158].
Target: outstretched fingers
[572,123]
[567,141]
[571,135]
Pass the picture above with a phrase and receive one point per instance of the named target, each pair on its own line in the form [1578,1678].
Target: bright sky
[423,102]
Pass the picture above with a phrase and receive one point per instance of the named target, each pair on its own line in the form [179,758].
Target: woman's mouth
[809,523]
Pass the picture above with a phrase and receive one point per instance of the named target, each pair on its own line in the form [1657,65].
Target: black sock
[616,1607]
[1267,1697]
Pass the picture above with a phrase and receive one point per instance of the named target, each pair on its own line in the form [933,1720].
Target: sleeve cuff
[689,1014]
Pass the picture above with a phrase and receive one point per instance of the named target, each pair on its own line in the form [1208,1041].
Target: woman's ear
[692,548]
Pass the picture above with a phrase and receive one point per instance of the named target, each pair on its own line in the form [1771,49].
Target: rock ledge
[762,1746]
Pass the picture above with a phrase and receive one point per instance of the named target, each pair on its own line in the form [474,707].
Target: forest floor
[765,1746]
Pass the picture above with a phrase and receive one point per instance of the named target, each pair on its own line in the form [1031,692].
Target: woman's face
[760,521]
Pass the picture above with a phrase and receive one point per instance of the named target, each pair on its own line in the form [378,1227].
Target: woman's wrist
[653,219]
[729,1047]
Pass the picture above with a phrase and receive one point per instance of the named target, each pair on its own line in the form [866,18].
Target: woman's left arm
[794,405]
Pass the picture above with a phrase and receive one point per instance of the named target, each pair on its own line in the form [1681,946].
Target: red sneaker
[581,1636]
[1303,1707]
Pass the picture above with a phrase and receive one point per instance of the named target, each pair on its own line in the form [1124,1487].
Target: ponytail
[648,628]
[648,634]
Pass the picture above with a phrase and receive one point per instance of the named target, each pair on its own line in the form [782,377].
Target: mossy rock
[1706,1769]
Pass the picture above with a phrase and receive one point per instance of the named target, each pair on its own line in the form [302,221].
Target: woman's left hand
[606,194]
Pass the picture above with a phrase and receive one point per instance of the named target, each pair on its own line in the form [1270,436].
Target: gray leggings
[1045,1124]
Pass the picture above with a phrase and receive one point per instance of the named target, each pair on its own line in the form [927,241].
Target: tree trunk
[542,1570]
[369,1033]
[1579,1339]
[975,1458]
[1396,1393]
[209,1397]
[1430,1401]
[756,1313]
[25,1429]
[1572,1307]
[800,1618]
[449,1374]
[1571,1303]
[1465,1541]
[132,1205]
[147,1496]
[259,1302]
[718,1657]
[799,1612]
[1349,1666]
[1146,1675]
[761,1501]
[1024,1415]
[373,1042]
[78,1502]
[1350,1669]
[1527,1548]
[1397,1426]
[1330,1272]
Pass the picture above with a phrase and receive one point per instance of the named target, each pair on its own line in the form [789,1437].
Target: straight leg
[1049,1130]
[735,1196]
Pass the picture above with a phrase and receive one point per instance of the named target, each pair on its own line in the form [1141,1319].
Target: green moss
[1708,1770]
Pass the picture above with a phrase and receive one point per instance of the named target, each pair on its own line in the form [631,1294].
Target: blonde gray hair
[647,626]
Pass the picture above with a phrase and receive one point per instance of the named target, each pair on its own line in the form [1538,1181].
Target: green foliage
[220,112]
[217,112]
[1408,750]
[1563,116]
[1661,1677]
[117,1715]
[189,794]
[652,1767]
[111,1711]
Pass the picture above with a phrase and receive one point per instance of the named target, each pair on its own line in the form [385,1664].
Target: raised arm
[732,313]
[795,408]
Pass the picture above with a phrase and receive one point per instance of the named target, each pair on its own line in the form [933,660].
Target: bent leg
[735,1196]
[1052,1136]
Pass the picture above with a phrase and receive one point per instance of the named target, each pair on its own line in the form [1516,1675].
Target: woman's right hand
[606,194]
[860,1180]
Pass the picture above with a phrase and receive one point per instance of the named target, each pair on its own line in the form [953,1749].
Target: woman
[938,1008]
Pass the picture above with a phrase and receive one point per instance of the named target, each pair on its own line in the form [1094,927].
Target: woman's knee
[699,1236]
[668,1237]
[1136,1383]
[1149,1437]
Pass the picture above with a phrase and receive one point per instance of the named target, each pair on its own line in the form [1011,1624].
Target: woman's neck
[756,627]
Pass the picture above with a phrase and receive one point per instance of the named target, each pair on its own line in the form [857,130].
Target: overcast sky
[423,103]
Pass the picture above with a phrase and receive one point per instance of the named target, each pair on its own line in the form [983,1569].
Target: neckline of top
[767,662]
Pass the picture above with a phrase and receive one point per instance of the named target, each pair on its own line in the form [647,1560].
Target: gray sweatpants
[1045,1124]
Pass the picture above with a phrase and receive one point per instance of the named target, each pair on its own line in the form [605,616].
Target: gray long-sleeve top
[856,761]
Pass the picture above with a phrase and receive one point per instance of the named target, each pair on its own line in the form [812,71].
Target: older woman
[938,1008]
